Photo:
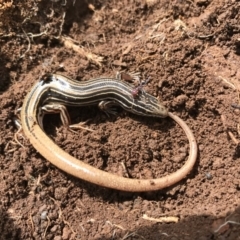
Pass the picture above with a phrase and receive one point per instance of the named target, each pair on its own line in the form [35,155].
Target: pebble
[54,228]
[57,238]
[180,100]
[66,233]
[44,215]
[179,158]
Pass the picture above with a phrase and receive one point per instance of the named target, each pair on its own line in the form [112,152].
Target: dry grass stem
[161,219]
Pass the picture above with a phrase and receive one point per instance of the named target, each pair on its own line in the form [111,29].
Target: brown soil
[190,49]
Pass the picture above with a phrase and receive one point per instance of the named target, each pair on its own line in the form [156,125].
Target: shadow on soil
[209,228]
[4,74]
[8,230]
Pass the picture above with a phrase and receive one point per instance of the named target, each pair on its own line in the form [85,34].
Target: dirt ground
[190,50]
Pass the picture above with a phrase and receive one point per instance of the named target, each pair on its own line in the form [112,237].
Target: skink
[54,92]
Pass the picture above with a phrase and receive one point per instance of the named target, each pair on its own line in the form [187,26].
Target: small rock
[66,233]
[149,45]
[54,228]
[180,100]
[179,158]
[57,238]
[44,215]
